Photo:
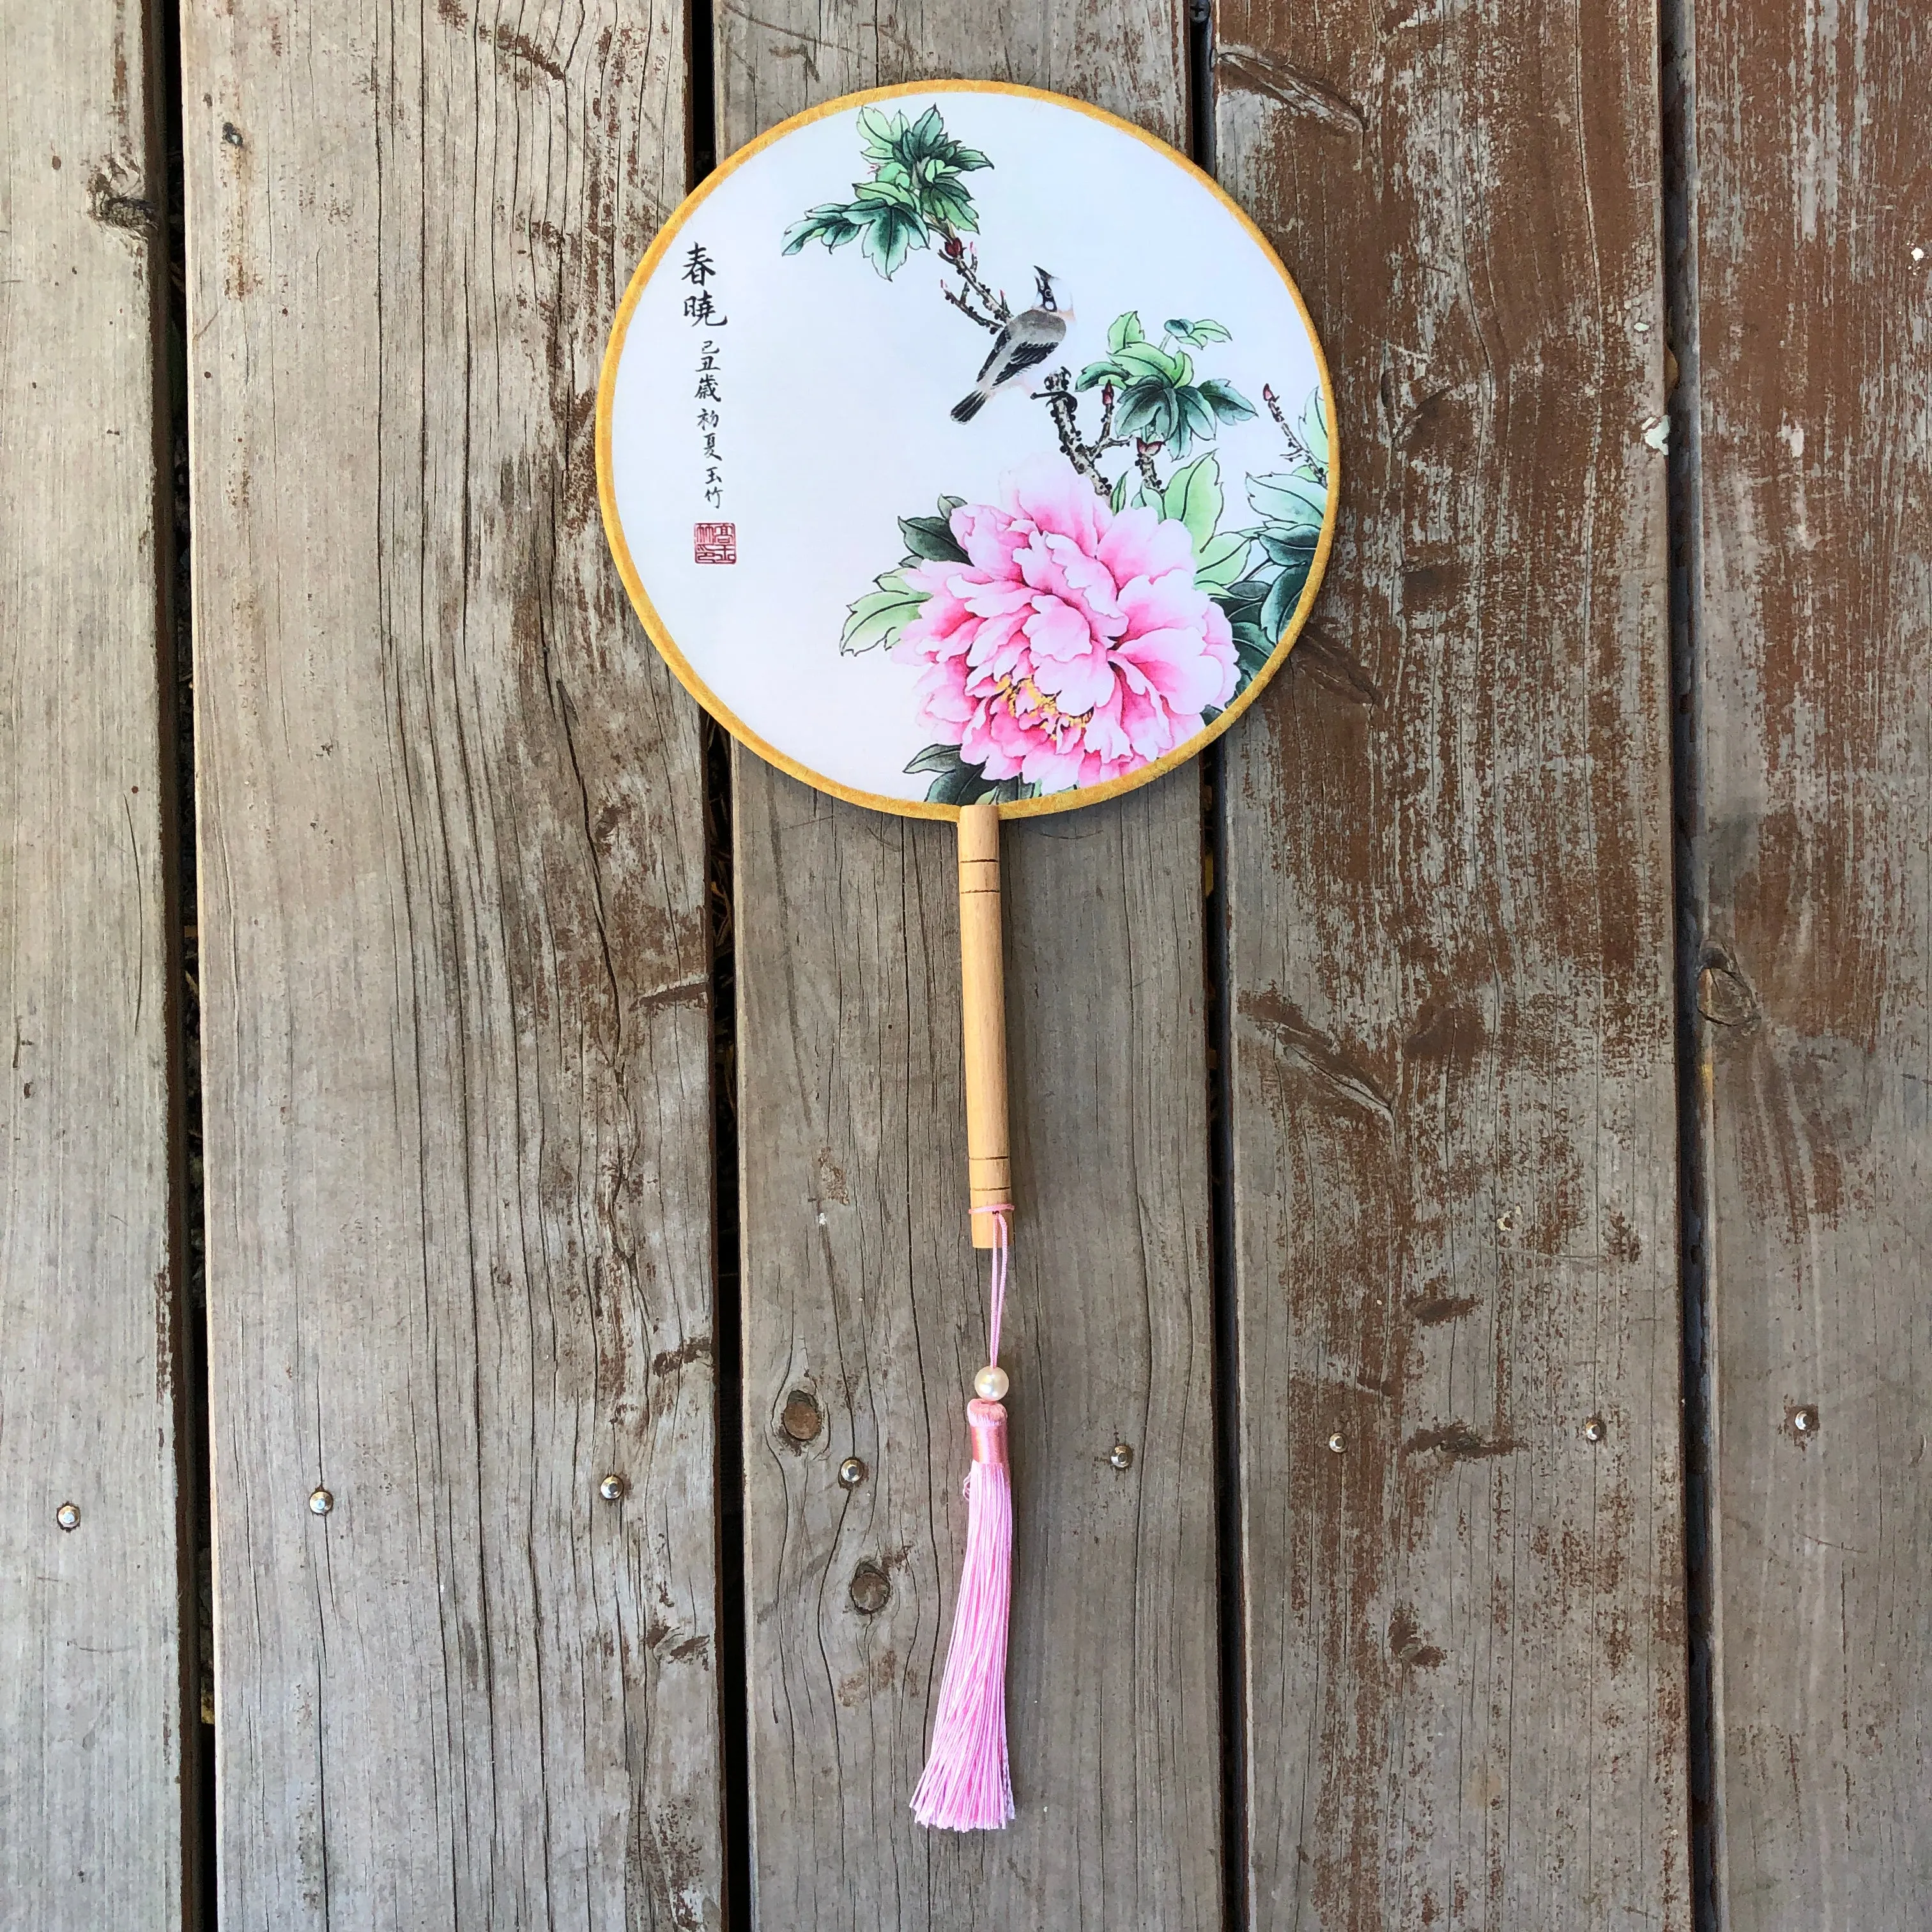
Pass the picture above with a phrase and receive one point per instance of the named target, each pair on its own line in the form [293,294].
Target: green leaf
[1143,358]
[958,783]
[1226,401]
[1218,563]
[1118,496]
[1197,334]
[880,132]
[966,159]
[1193,497]
[948,207]
[1281,601]
[893,185]
[947,505]
[833,224]
[1197,419]
[1139,403]
[931,540]
[891,235]
[937,758]
[1252,652]
[1313,428]
[1298,503]
[878,617]
[1125,328]
[926,134]
[1242,600]
[1296,547]
[1097,373]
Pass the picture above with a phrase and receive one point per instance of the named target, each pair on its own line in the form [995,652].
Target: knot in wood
[870,1589]
[802,1418]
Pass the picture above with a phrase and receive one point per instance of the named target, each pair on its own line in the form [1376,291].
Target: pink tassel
[967,1786]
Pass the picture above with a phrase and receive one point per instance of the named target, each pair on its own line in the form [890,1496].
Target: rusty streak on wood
[457,965]
[1449,881]
[859,1269]
[1808,344]
[93,1753]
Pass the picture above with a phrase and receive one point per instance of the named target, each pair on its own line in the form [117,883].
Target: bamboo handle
[989,1171]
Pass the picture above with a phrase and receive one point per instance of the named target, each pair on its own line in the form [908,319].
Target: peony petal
[1050,767]
[1168,602]
[1177,665]
[1049,492]
[989,537]
[1140,544]
[1060,632]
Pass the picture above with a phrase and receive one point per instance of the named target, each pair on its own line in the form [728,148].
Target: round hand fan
[968,453]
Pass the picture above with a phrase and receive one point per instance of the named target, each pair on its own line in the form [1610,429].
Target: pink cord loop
[1003,1242]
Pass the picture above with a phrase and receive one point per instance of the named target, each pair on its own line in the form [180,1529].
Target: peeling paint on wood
[1450,933]
[1812,351]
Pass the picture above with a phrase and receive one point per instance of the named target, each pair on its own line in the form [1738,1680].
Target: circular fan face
[958,443]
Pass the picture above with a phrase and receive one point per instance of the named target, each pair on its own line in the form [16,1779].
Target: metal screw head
[613,1488]
[68,1516]
[1804,1420]
[320,1502]
[1335,1444]
[851,1472]
[1595,1430]
[1121,1455]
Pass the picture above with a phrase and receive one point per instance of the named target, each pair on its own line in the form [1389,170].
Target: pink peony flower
[1072,647]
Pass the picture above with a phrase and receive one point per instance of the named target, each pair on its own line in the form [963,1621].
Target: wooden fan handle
[989,1169]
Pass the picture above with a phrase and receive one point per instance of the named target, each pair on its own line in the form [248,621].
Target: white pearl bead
[990,1384]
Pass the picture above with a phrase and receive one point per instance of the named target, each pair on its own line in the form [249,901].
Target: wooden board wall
[456,984]
[1449,897]
[1809,331]
[864,1318]
[92,1707]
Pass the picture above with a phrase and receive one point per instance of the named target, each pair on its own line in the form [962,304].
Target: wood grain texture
[1810,336]
[457,1027]
[1450,898]
[861,1292]
[91,1739]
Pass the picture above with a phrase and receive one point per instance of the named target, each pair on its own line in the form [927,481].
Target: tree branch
[1060,406]
[966,265]
[966,308]
[1296,447]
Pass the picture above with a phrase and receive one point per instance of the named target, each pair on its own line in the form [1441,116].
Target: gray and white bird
[1030,338]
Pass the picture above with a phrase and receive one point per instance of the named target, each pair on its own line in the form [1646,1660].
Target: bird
[1028,339]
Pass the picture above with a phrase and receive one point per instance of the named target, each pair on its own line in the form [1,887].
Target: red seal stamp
[714,543]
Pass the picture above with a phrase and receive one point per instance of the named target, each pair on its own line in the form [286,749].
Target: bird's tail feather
[967,407]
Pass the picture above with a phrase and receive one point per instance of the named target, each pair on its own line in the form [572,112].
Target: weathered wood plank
[859,1286]
[92,1702]
[456,984]
[1809,336]
[1450,892]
